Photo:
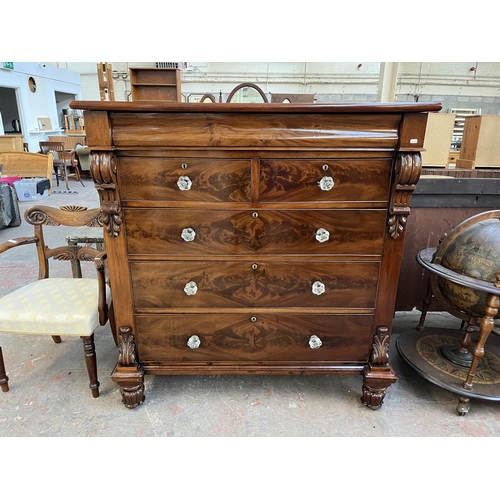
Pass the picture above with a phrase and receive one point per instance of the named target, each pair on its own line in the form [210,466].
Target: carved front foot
[131,382]
[129,373]
[376,380]
[133,396]
[378,375]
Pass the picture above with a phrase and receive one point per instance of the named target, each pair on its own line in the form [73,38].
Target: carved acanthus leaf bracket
[380,346]
[103,172]
[408,168]
[126,347]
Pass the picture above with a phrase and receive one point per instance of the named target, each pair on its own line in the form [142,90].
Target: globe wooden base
[424,353]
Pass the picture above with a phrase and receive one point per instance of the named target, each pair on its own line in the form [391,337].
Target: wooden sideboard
[254,238]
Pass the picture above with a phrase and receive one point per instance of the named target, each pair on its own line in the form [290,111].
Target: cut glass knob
[322,235]
[184,183]
[318,288]
[188,234]
[191,288]
[315,342]
[326,183]
[194,342]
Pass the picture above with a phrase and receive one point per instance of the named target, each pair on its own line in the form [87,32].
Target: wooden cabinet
[437,142]
[155,84]
[254,238]
[480,142]
[11,142]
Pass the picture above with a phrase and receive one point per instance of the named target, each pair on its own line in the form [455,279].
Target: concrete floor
[49,394]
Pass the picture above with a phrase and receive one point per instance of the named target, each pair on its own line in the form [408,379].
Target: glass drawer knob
[326,183]
[194,342]
[184,183]
[191,288]
[188,234]
[315,342]
[322,235]
[318,288]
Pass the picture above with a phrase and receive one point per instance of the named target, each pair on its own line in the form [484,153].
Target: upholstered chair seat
[59,306]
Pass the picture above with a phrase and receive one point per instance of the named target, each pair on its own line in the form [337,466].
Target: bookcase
[155,84]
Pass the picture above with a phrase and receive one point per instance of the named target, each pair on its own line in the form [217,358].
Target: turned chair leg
[3,376]
[91,361]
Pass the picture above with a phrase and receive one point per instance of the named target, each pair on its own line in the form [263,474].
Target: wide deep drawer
[229,284]
[184,179]
[223,232]
[239,337]
[301,180]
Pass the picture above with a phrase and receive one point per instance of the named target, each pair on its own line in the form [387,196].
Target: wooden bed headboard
[27,165]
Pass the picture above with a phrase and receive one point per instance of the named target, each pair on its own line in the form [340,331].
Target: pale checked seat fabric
[59,306]
[56,306]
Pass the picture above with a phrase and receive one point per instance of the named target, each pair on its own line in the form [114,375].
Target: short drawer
[239,337]
[301,180]
[229,284]
[198,232]
[185,179]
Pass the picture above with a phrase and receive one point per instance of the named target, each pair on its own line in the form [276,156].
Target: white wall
[42,103]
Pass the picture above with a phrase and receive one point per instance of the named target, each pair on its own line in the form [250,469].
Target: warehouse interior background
[317,31]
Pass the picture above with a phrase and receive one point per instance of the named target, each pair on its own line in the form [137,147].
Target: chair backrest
[55,147]
[71,216]
[58,149]
[22,164]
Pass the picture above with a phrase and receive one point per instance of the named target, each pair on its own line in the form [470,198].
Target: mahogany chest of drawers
[254,238]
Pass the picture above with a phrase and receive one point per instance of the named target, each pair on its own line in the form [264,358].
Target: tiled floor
[49,394]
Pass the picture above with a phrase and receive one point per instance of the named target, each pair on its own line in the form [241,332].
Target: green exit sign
[8,65]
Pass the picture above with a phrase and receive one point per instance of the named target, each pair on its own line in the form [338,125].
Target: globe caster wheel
[463,406]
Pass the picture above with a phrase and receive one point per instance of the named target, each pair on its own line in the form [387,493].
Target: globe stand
[456,364]
[424,353]
[457,355]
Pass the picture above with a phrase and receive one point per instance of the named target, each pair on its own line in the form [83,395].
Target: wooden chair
[63,160]
[59,306]
[23,164]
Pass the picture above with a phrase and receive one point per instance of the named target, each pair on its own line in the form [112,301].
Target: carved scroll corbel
[126,349]
[128,373]
[103,172]
[408,168]
[378,374]
[380,346]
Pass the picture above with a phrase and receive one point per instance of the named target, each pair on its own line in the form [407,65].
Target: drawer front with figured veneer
[198,232]
[227,284]
[242,337]
[185,179]
[301,180]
